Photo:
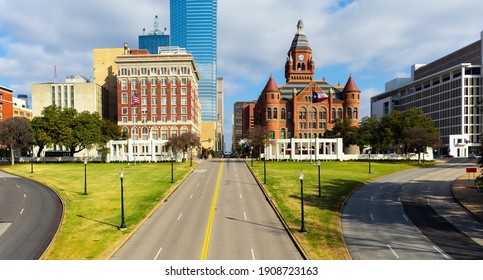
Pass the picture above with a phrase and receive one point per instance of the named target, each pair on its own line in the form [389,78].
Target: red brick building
[6,104]
[304,107]
[157,94]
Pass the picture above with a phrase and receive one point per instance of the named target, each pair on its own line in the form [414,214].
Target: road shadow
[97,221]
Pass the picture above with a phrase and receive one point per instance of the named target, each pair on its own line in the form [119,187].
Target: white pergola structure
[305,149]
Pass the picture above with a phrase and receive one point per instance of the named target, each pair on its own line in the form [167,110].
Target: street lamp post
[318,166]
[32,164]
[369,161]
[301,178]
[191,156]
[265,167]
[85,177]
[172,170]
[251,154]
[123,224]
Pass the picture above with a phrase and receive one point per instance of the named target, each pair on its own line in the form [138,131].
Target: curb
[462,205]
[285,225]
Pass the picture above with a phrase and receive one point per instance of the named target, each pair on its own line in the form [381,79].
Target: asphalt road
[411,215]
[218,212]
[30,215]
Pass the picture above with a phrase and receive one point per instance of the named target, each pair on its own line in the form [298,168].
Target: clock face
[301,57]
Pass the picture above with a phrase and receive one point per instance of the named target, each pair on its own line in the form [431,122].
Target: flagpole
[310,124]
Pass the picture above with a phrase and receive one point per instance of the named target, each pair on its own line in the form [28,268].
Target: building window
[124,84]
[275,113]
[269,113]
[154,119]
[154,133]
[144,82]
[154,71]
[333,114]
[282,133]
[124,119]
[173,100]
[356,113]
[173,71]
[184,101]
[173,110]
[339,113]
[124,110]
[184,110]
[183,91]
[134,84]
[323,115]
[184,70]
[163,71]
[349,113]
[272,134]
[134,72]
[184,119]
[124,98]
[282,113]
[184,81]
[123,72]
[144,71]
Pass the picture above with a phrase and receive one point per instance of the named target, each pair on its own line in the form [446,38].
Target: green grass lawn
[89,229]
[323,239]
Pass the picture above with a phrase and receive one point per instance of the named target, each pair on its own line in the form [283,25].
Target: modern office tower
[154,39]
[20,108]
[220,139]
[194,26]
[450,91]
[243,121]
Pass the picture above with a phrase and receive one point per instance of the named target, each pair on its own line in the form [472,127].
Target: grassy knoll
[89,229]
[322,214]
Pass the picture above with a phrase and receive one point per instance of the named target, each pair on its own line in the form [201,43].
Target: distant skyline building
[194,27]
[154,39]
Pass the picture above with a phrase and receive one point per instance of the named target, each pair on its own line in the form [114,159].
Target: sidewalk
[465,192]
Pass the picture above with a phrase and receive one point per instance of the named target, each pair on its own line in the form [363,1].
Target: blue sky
[374,40]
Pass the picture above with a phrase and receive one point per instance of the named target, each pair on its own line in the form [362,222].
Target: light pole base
[302,230]
[122,227]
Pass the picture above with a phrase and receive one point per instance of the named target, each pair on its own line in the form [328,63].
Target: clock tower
[300,65]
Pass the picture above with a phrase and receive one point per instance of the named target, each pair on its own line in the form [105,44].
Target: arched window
[323,114]
[349,113]
[282,133]
[339,113]
[135,133]
[300,135]
[144,133]
[154,133]
[269,113]
[125,131]
[305,135]
[275,113]
[174,131]
[164,133]
[184,129]
[321,135]
[282,114]
[333,114]
[356,113]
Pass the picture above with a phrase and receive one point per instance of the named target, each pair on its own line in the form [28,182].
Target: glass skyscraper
[193,26]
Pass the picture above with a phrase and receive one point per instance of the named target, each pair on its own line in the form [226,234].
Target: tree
[343,129]
[73,130]
[259,138]
[15,133]
[373,134]
[417,138]
[185,141]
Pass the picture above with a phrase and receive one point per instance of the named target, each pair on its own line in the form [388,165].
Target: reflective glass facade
[193,26]
[152,42]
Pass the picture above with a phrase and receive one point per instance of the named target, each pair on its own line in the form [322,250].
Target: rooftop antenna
[55,73]
[156,25]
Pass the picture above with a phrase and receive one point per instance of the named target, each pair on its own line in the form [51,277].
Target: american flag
[135,99]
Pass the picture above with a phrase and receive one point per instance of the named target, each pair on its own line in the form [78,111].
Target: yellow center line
[206,243]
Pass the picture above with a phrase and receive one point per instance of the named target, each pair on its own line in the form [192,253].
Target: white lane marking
[390,248]
[429,188]
[427,199]
[403,187]
[191,196]
[22,211]
[245,215]
[236,175]
[180,216]
[253,254]
[238,183]
[198,185]
[405,217]
[241,197]
[159,252]
[381,187]
[24,195]
[18,186]
[372,217]
[441,252]
[372,198]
